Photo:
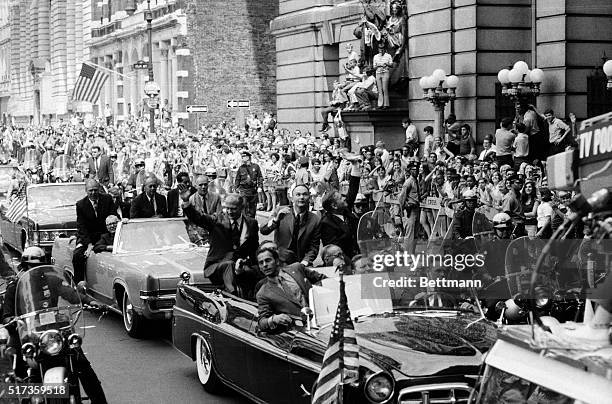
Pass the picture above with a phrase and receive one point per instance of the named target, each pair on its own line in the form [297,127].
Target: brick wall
[234,56]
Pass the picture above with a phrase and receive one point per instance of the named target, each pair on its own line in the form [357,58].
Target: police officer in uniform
[249,181]
[52,288]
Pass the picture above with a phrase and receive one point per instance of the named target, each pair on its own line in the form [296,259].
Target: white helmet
[502,221]
[469,195]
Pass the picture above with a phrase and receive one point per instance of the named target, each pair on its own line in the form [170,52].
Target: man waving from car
[285,292]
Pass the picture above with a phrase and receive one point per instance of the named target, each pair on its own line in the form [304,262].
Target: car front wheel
[206,372]
[133,322]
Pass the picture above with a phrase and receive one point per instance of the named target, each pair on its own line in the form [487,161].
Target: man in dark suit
[173,198]
[100,166]
[339,223]
[297,230]
[120,208]
[149,203]
[107,240]
[284,294]
[234,238]
[92,212]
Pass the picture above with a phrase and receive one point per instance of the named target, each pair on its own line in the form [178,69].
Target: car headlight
[541,302]
[43,236]
[379,388]
[51,342]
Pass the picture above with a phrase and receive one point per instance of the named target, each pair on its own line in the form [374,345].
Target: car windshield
[52,196]
[152,235]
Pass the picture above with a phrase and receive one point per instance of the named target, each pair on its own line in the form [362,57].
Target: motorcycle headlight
[75,341]
[541,302]
[379,388]
[28,350]
[51,342]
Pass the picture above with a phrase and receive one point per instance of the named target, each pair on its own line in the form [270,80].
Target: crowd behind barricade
[264,164]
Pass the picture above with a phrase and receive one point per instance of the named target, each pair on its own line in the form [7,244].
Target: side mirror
[82,287]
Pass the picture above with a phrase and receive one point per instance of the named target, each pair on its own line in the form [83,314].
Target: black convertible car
[407,354]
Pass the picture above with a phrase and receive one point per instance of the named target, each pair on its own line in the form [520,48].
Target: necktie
[296,234]
[152,201]
[95,206]
[235,235]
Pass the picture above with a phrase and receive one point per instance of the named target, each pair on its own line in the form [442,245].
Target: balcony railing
[105,30]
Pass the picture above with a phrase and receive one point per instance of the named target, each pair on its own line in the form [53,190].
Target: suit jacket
[221,247]
[89,226]
[124,207]
[141,207]
[106,240]
[105,171]
[212,201]
[173,199]
[343,233]
[309,237]
[272,299]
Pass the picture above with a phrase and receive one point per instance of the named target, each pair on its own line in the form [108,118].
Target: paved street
[143,371]
[135,371]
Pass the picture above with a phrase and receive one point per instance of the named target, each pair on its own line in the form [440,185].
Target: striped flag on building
[341,360]
[18,206]
[89,83]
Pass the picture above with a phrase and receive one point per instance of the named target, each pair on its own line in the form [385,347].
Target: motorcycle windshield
[30,159]
[62,166]
[47,160]
[46,298]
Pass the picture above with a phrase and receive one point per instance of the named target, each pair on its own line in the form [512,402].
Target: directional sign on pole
[196,108]
[239,104]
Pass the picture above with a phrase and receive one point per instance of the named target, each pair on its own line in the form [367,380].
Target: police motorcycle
[32,167]
[50,328]
[63,167]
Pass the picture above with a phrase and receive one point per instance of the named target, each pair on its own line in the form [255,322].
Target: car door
[230,341]
[100,276]
[305,358]
[268,365]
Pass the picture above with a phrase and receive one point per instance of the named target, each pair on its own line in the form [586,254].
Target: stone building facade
[119,41]
[204,53]
[5,61]
[48,42]
[472,39]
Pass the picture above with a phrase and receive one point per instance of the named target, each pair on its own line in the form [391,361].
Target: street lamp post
[151,88]
[520,83]
[607,68]
[439,89]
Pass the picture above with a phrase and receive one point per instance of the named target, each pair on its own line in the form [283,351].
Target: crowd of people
[272,169]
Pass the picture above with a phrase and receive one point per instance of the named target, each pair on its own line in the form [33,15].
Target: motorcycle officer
[33,257]
[493,273]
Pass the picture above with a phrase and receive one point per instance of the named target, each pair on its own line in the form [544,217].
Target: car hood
[420,345]
[54,218]
[169,264]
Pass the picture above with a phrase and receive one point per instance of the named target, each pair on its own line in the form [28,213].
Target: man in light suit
[297,230]
[234,238]
[149,203]
[284,294]
[100,167]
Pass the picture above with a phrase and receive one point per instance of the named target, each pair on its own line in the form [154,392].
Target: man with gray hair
[204,201]
[234,238]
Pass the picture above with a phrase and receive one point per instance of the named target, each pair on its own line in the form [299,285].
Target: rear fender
[55,375]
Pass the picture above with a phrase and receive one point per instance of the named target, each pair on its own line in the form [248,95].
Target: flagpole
[341,343]
[108,70]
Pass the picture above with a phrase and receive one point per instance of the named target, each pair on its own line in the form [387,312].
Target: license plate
[46,318]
